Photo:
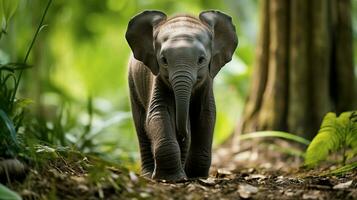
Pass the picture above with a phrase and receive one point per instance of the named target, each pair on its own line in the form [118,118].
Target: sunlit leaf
[7,194]
[1,11]
[22,103]
[7,10]
[336,133]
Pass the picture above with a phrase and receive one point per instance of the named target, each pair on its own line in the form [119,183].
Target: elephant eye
[201,60]
[164,60]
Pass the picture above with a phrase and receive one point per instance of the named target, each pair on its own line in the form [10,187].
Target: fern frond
[342,170]
[352,137]
[335,133]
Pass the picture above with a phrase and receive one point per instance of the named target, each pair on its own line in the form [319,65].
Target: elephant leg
[161,130]
[199,157]
[147,160]
[166,149]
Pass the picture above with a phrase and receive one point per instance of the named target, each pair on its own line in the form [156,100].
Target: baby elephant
[171,92]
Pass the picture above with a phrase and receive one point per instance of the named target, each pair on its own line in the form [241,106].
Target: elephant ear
[225,39]
[140,37]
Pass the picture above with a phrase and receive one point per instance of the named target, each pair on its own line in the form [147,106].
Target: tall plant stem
[17,82]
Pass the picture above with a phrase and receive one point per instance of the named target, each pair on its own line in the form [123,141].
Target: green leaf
[7,194]
[22,103]
[9,125]
[336,133]
[1,11]
[280,134]
[11,67]
[2,19]
[8,8]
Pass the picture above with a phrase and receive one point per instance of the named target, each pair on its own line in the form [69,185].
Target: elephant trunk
[182,82]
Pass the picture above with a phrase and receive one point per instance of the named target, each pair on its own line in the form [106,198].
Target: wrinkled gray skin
[170,81]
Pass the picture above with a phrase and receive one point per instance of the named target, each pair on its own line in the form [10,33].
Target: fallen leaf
[311,195]
[191,187]
[224,171]
[343,185]
[82,188]
[78,179]
[280,179]
[255,176]
[289,193]
[245,190]
[28,193]
[144,195]
[209,181]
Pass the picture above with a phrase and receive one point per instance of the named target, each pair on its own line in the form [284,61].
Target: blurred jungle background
[81,52]
[72,88]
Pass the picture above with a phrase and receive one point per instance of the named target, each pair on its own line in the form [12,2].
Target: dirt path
[75,176]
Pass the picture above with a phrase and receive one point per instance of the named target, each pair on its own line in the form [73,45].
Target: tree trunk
[304,66]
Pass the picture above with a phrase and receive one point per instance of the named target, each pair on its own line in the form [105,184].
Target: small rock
[343,185]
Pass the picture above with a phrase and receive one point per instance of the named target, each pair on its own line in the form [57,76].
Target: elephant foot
[169,177]
[197,173]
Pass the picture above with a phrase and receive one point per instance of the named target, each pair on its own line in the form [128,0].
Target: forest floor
[248,173]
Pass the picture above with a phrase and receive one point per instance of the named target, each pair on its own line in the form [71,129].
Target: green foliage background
[82,52]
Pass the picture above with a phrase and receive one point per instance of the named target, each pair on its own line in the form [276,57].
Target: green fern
[335,134]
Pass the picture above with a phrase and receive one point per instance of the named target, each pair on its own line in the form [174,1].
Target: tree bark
[320,65]
[304,66]
[260,72]
[273,110]
[344,76]
[298,62]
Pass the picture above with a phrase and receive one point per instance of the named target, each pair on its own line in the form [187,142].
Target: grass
[274,134]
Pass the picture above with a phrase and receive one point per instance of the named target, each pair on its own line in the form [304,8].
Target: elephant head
[183,51]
